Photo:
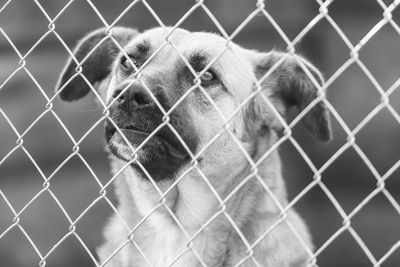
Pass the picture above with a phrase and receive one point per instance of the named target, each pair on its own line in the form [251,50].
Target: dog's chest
[164,248]
[164,243]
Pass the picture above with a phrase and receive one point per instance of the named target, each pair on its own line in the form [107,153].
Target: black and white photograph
[199,133]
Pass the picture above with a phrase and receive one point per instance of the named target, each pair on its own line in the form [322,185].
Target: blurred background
[352,94]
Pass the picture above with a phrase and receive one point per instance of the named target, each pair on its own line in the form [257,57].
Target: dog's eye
[126,64]
[207,77]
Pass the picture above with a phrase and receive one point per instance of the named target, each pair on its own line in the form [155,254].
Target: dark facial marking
[141,52]
[144,47]
[138,56]
[185,80]
[197,61]
[160,153]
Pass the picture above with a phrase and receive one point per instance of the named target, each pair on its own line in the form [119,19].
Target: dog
[188,208]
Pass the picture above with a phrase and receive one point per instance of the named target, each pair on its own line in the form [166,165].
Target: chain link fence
[14,218]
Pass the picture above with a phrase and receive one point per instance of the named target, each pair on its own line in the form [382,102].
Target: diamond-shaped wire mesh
[56,190]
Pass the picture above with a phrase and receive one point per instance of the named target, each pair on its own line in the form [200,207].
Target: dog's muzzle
[138,118]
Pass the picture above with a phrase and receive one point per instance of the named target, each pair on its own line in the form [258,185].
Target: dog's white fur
[191,200]
[162,241]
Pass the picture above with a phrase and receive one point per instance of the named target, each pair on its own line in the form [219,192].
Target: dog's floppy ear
[97,66]
[289,85]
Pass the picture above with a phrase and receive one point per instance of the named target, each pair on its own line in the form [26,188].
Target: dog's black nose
[136,96]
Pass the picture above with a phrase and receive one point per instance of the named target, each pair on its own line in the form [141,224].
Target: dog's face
[195,115]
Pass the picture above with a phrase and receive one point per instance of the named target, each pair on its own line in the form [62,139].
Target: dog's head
[165,81]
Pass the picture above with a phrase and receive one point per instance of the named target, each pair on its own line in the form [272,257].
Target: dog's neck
[192,207]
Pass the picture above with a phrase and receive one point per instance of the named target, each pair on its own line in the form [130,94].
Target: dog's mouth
[150,143]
